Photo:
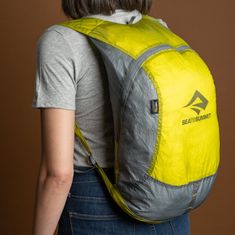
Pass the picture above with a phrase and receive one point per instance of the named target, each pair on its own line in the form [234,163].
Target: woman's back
[71,74]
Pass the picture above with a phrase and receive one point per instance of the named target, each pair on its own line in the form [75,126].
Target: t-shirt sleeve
[55,85]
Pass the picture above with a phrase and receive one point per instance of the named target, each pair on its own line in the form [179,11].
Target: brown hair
[78,8]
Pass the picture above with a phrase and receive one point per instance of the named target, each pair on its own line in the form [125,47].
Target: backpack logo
[198,102]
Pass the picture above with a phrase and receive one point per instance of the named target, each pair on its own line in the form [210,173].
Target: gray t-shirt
[70,75]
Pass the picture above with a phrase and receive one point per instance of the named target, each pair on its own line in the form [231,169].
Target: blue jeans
[90,210]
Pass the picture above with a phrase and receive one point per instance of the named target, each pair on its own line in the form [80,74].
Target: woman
[71,86]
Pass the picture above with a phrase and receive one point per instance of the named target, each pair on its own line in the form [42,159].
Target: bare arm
[56,168]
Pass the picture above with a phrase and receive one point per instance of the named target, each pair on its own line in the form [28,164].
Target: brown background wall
[207,25]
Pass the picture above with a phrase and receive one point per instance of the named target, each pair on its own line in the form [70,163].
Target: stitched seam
[153,230]
[172,227]
[73,54]
[93,217]
[65,41]
[70,222]
[84,182]
[87,198]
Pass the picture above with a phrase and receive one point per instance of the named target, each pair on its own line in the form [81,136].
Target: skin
[56,168]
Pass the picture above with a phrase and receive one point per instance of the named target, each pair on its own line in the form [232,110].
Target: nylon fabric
[166,161]
[184,153]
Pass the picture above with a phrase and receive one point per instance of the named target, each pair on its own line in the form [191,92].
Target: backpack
[163,97]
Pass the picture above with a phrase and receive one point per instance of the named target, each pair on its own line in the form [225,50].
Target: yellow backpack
[167,145]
